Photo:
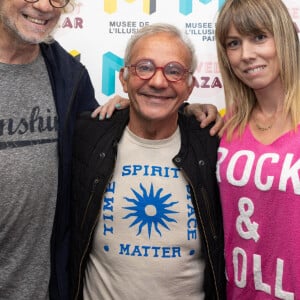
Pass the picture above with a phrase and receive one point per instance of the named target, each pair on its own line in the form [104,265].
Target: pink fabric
[260,192]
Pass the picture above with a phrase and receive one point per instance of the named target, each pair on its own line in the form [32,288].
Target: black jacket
[95,153]
[73,93]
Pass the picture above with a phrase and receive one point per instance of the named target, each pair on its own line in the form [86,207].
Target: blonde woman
[259,154]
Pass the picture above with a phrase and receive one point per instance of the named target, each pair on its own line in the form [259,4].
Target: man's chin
[36,40]
[33,39]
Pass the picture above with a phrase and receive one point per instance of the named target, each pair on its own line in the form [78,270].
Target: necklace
[271,121]
[261,128]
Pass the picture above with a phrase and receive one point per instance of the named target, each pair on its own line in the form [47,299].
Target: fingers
[210,114]
[205,114]
[96,112]
[196,110]
[216,129]
[106,110]
[123,103]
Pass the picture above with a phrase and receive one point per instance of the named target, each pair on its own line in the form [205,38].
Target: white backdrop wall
[96,32]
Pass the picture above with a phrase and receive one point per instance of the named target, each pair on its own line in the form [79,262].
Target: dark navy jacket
[95,152]
[73,93]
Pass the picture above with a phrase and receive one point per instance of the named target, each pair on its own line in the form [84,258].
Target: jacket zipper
[205,197]
[96,181]
[84,253]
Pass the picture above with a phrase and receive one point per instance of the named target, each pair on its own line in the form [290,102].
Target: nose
[248,51]
[43,5]
[159,80]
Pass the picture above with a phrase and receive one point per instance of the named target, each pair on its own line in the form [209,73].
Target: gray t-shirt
[28,181]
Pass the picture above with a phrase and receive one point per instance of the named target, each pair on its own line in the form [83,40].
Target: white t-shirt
[146,244]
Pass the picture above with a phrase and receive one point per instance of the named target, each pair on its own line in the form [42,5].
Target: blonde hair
[252,17]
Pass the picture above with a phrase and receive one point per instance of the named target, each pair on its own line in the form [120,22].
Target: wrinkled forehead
[161,45]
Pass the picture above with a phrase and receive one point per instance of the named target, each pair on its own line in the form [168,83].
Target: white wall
[97,32]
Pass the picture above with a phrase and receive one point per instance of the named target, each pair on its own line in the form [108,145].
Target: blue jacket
[73,93]
[95,152]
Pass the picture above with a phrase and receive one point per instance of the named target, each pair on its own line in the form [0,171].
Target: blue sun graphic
[150,209]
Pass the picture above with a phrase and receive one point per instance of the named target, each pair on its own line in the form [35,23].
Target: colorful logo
[149,6]
[111,64]
[186,6]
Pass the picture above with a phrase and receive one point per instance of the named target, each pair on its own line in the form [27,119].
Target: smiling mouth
[159,97]
[36,21]
[253,70]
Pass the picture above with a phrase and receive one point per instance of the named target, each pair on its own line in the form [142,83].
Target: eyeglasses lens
[172,71]
[54,3]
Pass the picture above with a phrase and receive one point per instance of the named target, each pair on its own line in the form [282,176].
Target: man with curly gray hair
[42,88]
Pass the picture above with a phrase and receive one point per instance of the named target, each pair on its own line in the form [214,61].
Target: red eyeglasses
[145,69]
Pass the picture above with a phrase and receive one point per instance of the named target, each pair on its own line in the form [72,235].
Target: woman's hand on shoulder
[106,110]
[205,114]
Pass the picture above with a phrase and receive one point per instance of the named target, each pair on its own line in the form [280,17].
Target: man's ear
[125,73]
[123,77]
[190,80]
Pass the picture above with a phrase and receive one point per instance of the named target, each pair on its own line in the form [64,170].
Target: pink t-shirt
[260,192]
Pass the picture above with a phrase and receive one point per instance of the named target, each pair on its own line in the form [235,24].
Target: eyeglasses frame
[186,71]
[50,1]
